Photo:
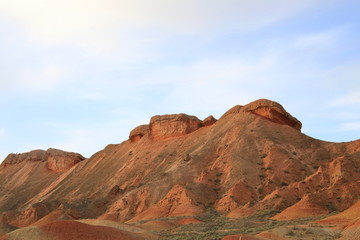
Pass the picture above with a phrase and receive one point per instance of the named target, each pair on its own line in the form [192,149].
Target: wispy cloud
[350,99]
[106,23]
[319,40]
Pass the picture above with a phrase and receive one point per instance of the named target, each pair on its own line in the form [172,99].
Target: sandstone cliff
[56,160]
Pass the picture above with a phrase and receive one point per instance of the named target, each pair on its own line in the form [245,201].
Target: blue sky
[80,74]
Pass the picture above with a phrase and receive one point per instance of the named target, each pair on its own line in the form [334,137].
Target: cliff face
[253,158]
[168,126]
[174,125]
[56,160]
[270,110]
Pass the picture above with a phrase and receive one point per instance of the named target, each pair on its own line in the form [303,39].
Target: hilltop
[180,176]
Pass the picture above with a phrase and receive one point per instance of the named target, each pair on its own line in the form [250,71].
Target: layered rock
[273,111]
[35,155]
[138,132]
[174,125]
[267,109]
[304,208]
[57,160]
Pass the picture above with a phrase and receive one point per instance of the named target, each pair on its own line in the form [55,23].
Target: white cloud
[104,23]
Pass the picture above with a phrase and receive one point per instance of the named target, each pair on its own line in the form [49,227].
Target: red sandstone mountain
[254,158]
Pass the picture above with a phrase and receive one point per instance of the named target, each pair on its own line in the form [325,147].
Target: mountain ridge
[254,158]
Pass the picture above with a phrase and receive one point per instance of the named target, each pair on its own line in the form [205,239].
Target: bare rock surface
[273,111]
[138,132]
[210,120]
[173,125]
[57,160]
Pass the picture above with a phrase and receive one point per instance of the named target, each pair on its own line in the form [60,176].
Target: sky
[80,74]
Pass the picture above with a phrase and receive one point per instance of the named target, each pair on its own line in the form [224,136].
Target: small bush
[290,233]
[284,184]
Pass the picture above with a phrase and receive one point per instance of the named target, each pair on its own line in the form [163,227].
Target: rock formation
[273,111]
[138,132]
[254,159]
[173,125]
[57,160]
[210,120]
[267,109]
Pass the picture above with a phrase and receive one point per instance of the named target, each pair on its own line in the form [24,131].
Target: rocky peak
[268,109]
[173,125]
[57,160]
[210,120]
[138,132]
[272,111]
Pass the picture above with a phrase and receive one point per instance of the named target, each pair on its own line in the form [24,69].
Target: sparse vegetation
[290,233]
[331,207]
[216,226]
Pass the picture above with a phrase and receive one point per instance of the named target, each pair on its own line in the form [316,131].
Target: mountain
[180,177]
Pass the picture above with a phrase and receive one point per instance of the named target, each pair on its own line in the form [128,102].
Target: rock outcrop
[138,132]
[35,155]
[174,125]
[267,109]
[57,160]
[210,120]
[273,111]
